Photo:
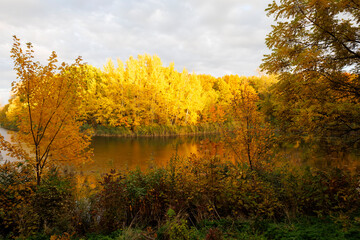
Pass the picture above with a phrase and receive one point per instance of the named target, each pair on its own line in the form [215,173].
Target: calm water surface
[7,135]
[144,152]
[129,153]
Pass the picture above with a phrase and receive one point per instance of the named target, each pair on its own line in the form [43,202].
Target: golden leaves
[47,109]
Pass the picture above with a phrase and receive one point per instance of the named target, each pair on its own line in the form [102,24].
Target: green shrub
[54,202]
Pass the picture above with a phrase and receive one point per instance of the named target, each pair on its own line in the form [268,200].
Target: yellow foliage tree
[49,130]
[252,139]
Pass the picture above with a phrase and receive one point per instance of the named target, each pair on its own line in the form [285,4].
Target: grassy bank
[149,131]
[301,228]
[160,130]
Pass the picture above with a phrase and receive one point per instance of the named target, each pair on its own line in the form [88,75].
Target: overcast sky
[216,37]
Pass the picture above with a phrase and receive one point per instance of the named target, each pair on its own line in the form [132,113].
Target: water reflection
[130,153]
[143,152]
[3,154]
[323,157]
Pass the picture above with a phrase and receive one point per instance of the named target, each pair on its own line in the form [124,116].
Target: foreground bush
[26,209]
[17,188]
[181,200]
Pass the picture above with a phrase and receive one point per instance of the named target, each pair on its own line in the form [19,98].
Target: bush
[17,187]
[54,202]
[200,191]
[109,205]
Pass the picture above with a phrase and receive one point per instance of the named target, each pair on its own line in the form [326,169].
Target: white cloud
[206,36]
[4,95]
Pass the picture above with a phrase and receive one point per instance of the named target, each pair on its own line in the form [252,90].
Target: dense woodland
[239,187]
[143,96]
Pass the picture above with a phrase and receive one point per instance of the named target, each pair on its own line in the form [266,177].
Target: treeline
[144,97]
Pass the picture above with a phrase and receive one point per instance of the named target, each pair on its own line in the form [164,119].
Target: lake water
[143,152]
[130,153]
[7,135]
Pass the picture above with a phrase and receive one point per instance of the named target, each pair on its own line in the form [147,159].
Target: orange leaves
[48,110]
[13,150]
[252,139]
[215,114]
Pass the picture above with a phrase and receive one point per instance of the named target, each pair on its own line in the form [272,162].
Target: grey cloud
[206,36]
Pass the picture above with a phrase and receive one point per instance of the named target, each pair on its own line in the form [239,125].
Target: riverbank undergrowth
[193,198]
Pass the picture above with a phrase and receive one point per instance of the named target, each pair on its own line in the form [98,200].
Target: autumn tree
[252,140]
[141,95]
[47,111]
[143,92]
[315,50]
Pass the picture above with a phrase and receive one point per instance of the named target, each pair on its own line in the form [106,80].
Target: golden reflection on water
[131,153]
[145,152]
